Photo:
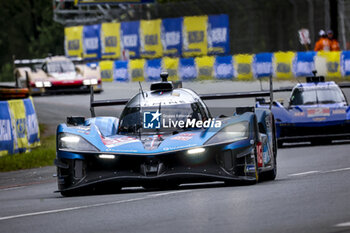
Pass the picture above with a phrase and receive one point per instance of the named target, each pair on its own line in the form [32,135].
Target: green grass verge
[38,157]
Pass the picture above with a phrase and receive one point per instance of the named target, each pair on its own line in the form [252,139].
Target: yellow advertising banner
[243,66]
[18,118]
[73,41]
[205,67]
[137,70]
[332,63]
[110,37]
[171,65]
[106,68]
[150,40]
[195,36]
[283,65]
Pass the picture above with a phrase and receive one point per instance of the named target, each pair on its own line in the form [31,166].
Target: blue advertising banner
[345,63]
[121,73]
[32,123]
[6,134]
[92,41]
[153,69]
[172,36]
[218,34]
[19,129]
[92,65]
[262,65]
[223,67]
[130,38]
[304,63]
[187,69]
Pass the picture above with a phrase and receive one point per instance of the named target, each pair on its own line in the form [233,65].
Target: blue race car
[317,112]
[165,137]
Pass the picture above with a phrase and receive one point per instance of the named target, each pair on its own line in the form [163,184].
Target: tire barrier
[280,65]
[184,36]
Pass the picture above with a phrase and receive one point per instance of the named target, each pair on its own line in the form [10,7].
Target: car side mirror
[281,101]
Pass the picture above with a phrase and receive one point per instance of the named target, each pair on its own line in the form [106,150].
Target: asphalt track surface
[310,194]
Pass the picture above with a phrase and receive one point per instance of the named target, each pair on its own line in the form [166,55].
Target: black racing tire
[279,144]
[270,175]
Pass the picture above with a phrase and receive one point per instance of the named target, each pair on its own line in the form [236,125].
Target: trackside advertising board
[73,41]
[181,37]
[19,128]
[92,41]
[130,38]
[110,40]
[280,65]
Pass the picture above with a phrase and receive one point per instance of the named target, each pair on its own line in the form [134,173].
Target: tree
[28,32]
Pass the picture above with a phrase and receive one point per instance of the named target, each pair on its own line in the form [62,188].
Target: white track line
[321,172]
[338,170]
[90,206]
[304,173]
[344,224]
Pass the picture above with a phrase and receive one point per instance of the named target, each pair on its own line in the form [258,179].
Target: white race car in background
[56,74]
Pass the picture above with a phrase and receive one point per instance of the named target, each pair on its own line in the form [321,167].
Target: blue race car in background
[165,137]
[318,112]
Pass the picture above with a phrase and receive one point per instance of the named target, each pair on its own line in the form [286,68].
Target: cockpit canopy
[60,66]
[317,94]
[156,111]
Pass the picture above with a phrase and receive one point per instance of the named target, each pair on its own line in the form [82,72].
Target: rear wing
[102,103]
[28,62]
[215,96]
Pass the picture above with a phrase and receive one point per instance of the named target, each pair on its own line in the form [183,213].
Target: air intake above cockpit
[164,85]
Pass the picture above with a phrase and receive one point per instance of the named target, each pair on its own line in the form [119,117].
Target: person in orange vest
[323,44]
[334,43]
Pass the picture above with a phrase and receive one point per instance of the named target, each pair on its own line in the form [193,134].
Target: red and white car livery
[56,74]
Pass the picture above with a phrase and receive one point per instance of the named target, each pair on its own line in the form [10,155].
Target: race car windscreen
[60,67]
[319,95]
[160,118]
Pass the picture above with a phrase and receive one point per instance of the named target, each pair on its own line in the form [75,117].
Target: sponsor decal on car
[339,111]
[299,114]
[317,112]
[319,119]
[250,168]
[112,142]
[179,147]
[183,137]
[153,120]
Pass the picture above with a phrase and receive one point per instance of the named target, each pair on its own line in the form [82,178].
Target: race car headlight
[196,151]
[73,142]
[47,84]
[39,84]
[90,81]
[231,133]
